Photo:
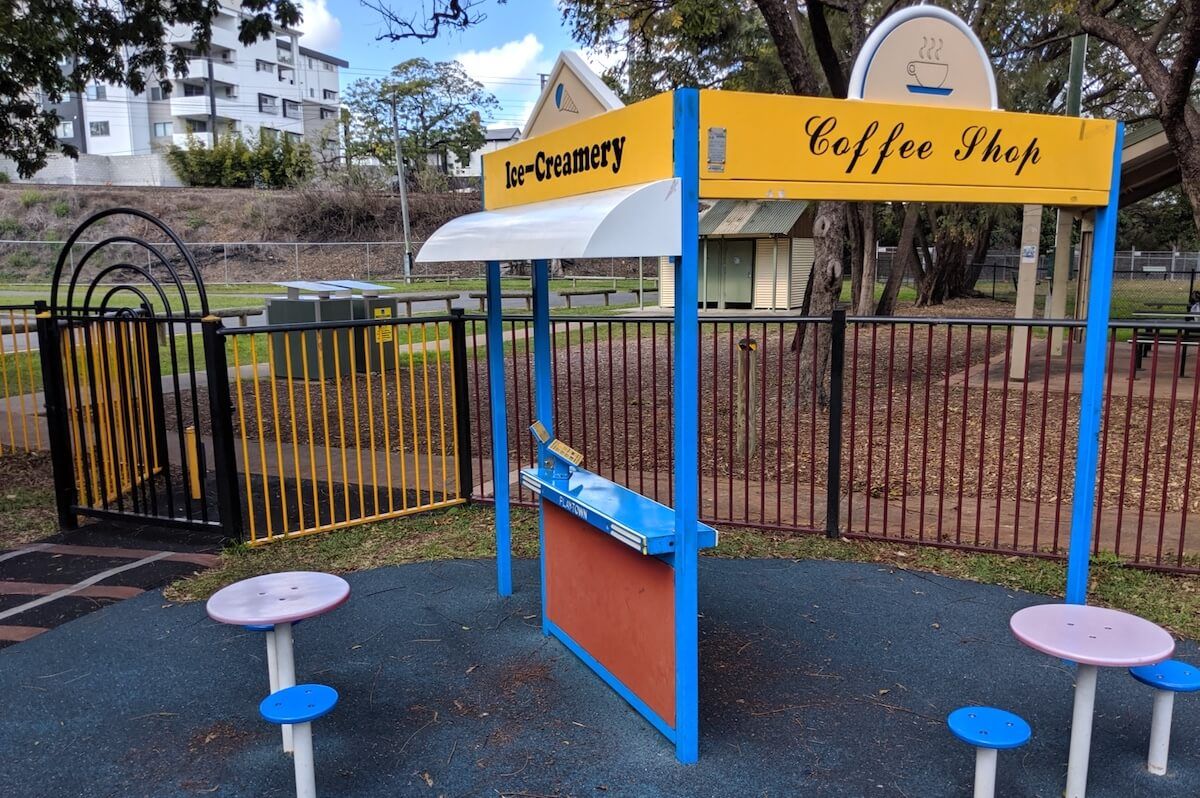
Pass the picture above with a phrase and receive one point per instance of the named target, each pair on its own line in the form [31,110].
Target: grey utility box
[374,347]
[317,353]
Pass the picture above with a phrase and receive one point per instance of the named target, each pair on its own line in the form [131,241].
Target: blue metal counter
[635,520]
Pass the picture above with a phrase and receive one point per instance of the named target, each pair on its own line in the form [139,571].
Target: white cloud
[510,72]
[500,64]
[322,30]
[601,61]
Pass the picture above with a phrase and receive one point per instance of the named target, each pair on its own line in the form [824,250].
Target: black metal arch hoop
[58,305]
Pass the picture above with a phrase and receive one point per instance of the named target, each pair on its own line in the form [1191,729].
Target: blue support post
[1092,398]
[686,408]
[495,356]
[543,396]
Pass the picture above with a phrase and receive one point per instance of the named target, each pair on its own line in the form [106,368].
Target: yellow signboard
[762,146]
[624,147]
[383,335]
[572,456]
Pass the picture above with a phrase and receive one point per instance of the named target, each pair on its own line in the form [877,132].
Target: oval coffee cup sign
[924,55]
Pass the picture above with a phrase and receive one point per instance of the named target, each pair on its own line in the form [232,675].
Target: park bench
[568,293]
[1187,338]
[241,314]
[482,297]
[407,299]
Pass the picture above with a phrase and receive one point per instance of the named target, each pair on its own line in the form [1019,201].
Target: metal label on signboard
[383,335]
[540,432]
[566,452]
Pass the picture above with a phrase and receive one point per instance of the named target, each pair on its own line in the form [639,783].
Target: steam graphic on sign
[563,100]
[928,69]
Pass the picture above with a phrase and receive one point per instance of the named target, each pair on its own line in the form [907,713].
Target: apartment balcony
[221,36]
[223,71]
[182,139]
[189,106]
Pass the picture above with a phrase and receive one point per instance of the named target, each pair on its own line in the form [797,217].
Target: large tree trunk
[854,237]
[1183,134]
[1170,75]
[903,262]
[978,252]
[864,297]
[828,228]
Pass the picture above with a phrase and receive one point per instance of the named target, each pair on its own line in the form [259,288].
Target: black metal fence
[948,432]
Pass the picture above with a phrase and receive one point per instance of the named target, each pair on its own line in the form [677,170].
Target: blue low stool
[989,730]
[1167,678]
[298,707]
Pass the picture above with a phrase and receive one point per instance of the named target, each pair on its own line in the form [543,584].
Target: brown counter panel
[616,603]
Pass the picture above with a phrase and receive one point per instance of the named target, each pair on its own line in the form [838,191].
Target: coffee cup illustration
[929,74]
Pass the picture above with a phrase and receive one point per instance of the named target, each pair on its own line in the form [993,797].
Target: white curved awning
[618,223]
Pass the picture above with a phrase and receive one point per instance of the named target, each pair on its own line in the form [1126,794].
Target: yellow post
[193,459]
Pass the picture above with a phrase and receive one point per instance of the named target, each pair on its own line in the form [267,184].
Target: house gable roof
[572,93]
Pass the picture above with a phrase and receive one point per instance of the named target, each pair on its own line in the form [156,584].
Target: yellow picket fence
[338,425]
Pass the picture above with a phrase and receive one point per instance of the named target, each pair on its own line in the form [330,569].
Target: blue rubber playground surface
[817,679]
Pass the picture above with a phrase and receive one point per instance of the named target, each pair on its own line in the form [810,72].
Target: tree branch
[792,54]
[831,65]
[454,14]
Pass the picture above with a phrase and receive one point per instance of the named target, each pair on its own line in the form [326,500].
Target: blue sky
[505,52]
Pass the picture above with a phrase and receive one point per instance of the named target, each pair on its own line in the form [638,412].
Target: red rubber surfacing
[616,603]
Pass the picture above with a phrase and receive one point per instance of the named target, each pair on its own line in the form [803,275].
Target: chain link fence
[33,262]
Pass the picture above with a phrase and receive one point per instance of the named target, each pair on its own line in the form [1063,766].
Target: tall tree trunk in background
[904,261]
[979,250]
[864,298]
[854,237]
[931,288]
[825,287]
[1170,75]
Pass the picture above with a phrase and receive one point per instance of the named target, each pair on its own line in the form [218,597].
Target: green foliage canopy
[440,110]
[275,161]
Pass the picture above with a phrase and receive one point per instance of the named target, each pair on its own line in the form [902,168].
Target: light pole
[408,257]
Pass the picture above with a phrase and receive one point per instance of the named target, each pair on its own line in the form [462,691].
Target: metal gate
[136,383]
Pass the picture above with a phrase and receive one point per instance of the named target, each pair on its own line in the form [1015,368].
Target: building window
[156,93]
[311,65]
[231,92]
[329,94]
[96,92]
[266,104]
[197,126]
[291,109]
[263,66]
[312,93]
[163,129]
[328,67]
[98,128]
[293,137]
[270,133]
[192,90]
[66,130]
[328,113]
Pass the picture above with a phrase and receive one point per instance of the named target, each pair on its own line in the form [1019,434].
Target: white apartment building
[496,138]
[275,84]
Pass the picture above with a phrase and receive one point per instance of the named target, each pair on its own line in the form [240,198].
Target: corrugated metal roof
[751,217]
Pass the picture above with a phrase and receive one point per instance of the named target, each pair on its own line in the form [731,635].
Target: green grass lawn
[466,532]
[239,295]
